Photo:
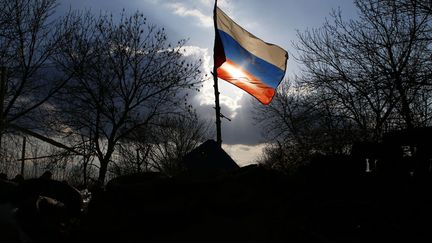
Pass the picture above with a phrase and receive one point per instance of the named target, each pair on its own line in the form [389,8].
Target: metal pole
[216,88]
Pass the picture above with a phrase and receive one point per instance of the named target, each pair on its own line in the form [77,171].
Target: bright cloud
[244,154]
[183,11]
[202,10]
[207,2]
[229,96]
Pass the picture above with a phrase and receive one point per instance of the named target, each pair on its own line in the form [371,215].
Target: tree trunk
[406,111]
[104,161]
[86,160]
[138,161]
[102,171]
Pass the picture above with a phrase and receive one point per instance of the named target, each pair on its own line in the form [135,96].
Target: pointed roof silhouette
[209,157]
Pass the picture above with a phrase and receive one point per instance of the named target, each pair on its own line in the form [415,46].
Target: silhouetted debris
[8,191]
[32,189]
[46,208]
[186,209]
[18,179]
[332,198]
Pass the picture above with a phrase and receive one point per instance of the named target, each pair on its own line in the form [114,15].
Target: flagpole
[216,88]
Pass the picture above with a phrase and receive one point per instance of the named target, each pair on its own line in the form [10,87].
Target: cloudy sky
[274,21]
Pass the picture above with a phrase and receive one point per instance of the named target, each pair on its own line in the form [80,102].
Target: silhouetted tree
[126,75]
[375,69]
[162,147]
[174,138]
[361,78]
[10,163]
[299,123]
[423,7]
[275,156]
[28,40]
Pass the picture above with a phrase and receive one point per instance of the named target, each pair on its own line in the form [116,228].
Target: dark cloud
[241,129]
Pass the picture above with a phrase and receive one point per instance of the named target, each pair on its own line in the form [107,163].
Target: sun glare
[234,72]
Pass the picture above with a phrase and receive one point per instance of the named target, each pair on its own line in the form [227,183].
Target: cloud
[182,10]
[207,2]
[230,97]
[244,154]
[245,148]
[242,129]
[201,10]
[235,104]
[152,1]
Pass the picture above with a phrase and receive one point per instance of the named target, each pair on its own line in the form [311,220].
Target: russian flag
[246,61]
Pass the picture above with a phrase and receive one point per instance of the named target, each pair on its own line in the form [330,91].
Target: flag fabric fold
[246,61]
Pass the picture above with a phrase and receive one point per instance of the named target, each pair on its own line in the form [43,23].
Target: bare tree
[299,123]
[174,138]
[360,79]
[10,155]
[162,147]
[126,75]
[28,40]
[375,69]
[423,7]
[134,157]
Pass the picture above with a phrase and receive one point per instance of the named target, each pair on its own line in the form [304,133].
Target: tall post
[23,152]
[216,88]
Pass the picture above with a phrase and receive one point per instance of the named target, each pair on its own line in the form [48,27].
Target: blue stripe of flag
[261,69]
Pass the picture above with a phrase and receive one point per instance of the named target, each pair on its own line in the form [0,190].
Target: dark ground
[252,204]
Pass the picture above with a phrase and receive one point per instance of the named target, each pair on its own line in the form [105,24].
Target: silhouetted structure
[209,157]
[365,155]
[407,151]
[400,154]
